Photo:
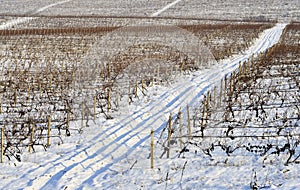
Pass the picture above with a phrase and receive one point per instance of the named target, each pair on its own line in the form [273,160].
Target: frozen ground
[114,154]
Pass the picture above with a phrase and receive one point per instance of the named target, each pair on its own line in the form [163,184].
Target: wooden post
[51,78]
[0,105]
[225,88]
[240,70]
[108,100]
[31,138]
[152,149]
[203,112]
[48,134]
[28,93]
[208,100]
[221,93]
[189,122]
[68,121]
[214,100]
[136,89]
[158,76]
[152,81]
[15,97]
[180,128]
[2,145]
[95,102]
[244,68]
[40,87]
[82,115]
[169,135]
[129,101]
[143,85]
[231,83]
[118,98]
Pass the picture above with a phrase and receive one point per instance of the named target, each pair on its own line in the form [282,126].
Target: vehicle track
[104,151]
[80,168]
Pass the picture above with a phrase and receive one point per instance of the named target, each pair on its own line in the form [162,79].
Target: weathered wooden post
[203,112]
[136,89]
[231,83]
[221,93]
[15,97]
[0,105]
[169,134]
[82,115]
[49,130]
[214,100]
[189,122]
[2,145]
[51,78]
[31,138]
[180,128]
[28,93]
[152,149]
[143,85]
[68,121]
[108,100]
[244,68]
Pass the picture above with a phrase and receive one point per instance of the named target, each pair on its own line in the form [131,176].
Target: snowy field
[115,153]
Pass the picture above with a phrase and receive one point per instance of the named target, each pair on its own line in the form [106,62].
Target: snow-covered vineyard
[177,94]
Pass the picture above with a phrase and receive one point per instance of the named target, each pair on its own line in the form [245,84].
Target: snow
[102,156]
[10,23]
[165,8]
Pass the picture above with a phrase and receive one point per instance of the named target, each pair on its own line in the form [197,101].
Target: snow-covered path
[80,167]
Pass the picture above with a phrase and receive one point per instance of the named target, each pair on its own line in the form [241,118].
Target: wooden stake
[189,122]
[15,97]
[108,100]
[68,121]
[208,99]
[152,81]
[231,84]
[117,98]
[180,128]
[244,68]
[221,93]
[129,95]
[51,78]
[240,70]
[95,102]
[31,138]
[49,129]
[158,76]
[169,135]
[136,89]
[0,105]
[203,112]
[143,85]
[28,93]
[214,100]
[2,145]
[225,87]
[82,115]
[152,149]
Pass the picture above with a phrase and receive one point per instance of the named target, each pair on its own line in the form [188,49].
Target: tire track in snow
[14,22]
[272,37]
[165,8]
[142,139]
[186,94]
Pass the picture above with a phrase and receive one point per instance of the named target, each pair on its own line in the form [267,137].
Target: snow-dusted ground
[233,9]
[102,156]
